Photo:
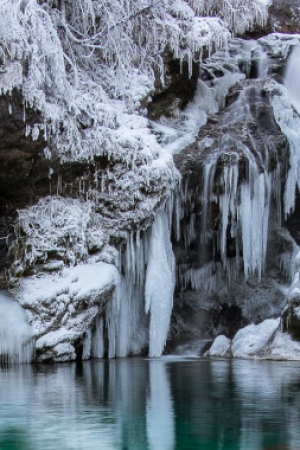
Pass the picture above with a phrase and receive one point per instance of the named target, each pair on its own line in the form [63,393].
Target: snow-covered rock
[220,347]
[63,307]
[253,339]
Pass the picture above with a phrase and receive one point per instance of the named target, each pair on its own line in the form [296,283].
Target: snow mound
[251,340]
[220,347]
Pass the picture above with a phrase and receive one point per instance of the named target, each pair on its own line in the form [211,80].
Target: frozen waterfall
[15,332]
[292,81]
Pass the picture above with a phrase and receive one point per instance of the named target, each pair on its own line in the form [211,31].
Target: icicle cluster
[139,314]
[244,210]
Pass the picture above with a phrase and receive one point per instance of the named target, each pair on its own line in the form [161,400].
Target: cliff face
[88,186]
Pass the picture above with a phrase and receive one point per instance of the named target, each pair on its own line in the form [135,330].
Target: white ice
[160,281]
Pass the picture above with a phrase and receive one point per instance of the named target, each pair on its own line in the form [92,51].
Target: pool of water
[159,404]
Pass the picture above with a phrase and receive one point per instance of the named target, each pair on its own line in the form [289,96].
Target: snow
[279,45]
[253,339]
[68,228]
[85,281]
[220,347]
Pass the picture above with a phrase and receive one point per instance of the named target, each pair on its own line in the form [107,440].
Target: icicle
[208,178]
[159,286]
[253,215]
[227,204]
[97,350]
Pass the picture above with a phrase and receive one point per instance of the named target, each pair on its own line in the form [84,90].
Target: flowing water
[155,404]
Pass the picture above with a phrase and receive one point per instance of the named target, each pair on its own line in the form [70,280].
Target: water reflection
[157,404]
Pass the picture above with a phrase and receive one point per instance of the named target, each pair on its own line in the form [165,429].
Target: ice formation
[139,314]
[291,77]
[16,335]
[243,202]
[160,281]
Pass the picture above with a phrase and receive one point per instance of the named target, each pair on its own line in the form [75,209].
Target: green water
[163,404]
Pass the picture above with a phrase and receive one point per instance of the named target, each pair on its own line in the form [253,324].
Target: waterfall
[286,106]
[15,332]
[292,81]
[138,316]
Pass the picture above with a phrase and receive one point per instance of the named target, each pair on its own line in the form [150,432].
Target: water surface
[159,404]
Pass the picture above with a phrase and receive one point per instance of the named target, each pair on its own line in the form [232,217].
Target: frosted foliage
[239,15]
[87,62]
[68,228]
[159,284]
[15,332]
